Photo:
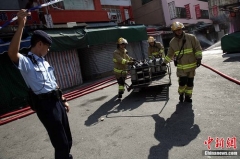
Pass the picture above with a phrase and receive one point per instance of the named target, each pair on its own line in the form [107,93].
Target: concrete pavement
[134,129]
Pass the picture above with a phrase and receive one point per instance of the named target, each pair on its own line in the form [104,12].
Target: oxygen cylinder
[146,72]
[151,65]
[158,64]
[133,73]
[163,68]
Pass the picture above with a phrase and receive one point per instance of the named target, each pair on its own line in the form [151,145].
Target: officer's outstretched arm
[15,42]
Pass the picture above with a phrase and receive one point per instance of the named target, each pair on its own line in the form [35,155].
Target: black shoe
[188,99]
[181,98]
[129,88]
[119,96]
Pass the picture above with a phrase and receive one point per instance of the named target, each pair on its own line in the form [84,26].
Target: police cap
[43,36]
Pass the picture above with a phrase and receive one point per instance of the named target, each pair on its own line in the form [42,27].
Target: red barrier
[71,95]
[10,119]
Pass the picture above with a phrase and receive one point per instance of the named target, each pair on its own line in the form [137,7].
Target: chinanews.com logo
[222,147]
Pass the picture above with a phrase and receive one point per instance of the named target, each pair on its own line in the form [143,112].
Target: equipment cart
[149,73]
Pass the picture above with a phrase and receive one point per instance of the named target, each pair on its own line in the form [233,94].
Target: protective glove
[199,61]
[163,64]
[134,60]
[130,63]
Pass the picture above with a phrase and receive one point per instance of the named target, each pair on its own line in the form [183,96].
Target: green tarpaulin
[76,38]
[104,35]
[230,42]
[67,39]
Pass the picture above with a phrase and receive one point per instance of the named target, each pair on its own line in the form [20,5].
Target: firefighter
[187,52]
[155,49]
[121,61]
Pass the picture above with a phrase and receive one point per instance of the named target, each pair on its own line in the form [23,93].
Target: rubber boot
[181,98]
[188,99]
[129,88]
[120,95]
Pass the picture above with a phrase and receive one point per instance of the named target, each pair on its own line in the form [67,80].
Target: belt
[54,94]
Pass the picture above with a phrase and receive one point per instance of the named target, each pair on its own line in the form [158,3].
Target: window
[145,1]
[204,14]
[172,10]
[181,12]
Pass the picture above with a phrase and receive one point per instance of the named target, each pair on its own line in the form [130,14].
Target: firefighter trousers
[121,83]
[186,84]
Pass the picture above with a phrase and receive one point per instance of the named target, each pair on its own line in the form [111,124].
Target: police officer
[188,53]
[38,74]
[155,49]
[121,61]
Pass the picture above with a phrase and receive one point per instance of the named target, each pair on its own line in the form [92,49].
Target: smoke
[202,39]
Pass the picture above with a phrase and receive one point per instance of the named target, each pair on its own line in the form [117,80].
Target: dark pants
[53,116]
[121,83]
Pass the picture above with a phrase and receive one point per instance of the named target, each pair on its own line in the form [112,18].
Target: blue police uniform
[38,75]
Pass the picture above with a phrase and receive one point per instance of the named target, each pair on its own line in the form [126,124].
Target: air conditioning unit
[71,24]
[112,16]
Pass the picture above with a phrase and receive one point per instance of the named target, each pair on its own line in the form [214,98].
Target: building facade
[160,14]
[186,11]
[225,15]
[164,12]
[69,13]
[148,12]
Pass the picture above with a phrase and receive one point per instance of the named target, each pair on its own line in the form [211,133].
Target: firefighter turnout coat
[120,59]
[187,59]
[156,49]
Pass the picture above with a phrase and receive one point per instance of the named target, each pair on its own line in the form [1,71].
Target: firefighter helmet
[177,26]
[151,39]
[122,41]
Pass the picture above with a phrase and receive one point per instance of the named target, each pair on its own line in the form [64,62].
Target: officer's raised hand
[22,16]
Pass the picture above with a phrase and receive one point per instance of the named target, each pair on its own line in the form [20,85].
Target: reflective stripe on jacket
[157,49]
[190,53]
[120,60]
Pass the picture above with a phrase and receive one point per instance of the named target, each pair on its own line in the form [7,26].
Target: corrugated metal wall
[137,50]
[97,61]
[66,68]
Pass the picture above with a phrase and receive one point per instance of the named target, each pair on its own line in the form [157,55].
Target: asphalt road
[144,125]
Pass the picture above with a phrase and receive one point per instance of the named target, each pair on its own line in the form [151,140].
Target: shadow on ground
[178,130]
[130,102]
[232,59]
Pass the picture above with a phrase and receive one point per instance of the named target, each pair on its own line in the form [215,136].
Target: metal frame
[156,80]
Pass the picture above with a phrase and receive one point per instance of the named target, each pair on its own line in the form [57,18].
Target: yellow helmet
[122,41]
[151,39]
[176,26]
